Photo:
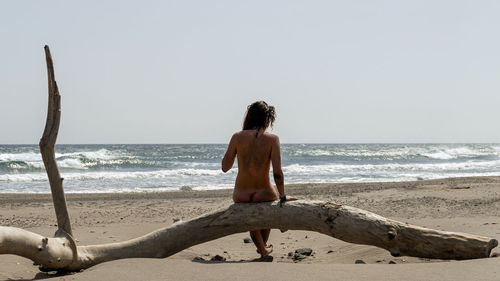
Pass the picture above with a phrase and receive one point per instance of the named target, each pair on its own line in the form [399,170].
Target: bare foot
[269,249]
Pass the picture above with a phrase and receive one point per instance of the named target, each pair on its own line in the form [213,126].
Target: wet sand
[470,205]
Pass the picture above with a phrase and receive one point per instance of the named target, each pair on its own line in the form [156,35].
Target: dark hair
[255,117]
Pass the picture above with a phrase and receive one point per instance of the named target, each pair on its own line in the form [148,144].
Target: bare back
[254,156]
[254,159]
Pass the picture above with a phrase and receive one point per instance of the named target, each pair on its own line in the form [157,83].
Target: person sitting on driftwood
[256,149]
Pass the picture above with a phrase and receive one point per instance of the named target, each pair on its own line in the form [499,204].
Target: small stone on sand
[218,258]
[298,257]
[198,259]
[304,251]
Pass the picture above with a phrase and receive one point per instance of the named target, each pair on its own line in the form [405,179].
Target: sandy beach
[470,205]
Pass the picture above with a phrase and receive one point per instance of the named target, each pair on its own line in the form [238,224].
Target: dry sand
[469,205]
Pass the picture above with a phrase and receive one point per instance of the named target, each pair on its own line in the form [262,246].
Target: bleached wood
[47,148]
[49,253]
[343,222]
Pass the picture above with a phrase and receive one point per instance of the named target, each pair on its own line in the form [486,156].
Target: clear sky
[184,71]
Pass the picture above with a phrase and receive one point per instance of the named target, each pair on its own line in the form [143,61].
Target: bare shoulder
[272,137]
[236,137]
[240,135]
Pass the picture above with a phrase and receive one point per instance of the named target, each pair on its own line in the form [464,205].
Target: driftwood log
[343,222]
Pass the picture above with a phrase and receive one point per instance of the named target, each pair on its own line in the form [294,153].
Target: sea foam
[120,168]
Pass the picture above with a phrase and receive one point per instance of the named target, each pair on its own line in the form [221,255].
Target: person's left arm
[278,172]
[228,160]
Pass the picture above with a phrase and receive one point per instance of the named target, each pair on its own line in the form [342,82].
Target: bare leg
[265,235]
[260,237]
[259,243]
[252,236]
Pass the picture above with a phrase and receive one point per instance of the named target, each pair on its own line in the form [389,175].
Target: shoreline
[470,205]
[296,187]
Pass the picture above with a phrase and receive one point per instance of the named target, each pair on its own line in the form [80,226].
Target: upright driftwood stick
[47,148]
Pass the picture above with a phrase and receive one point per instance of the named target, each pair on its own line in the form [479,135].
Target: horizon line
[208,143]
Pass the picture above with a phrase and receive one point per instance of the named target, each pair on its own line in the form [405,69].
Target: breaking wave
[120,168]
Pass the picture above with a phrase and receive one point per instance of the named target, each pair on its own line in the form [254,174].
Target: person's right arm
[228,160]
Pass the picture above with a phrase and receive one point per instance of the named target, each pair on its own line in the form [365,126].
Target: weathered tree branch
[47,149]
[343,222]
[49,253]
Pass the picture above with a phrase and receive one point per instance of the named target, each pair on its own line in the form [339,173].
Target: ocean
[174,167]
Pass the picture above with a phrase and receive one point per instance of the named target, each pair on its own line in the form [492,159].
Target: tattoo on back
[278,178]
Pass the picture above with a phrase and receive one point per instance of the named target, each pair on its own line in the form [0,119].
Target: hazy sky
[184,71]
